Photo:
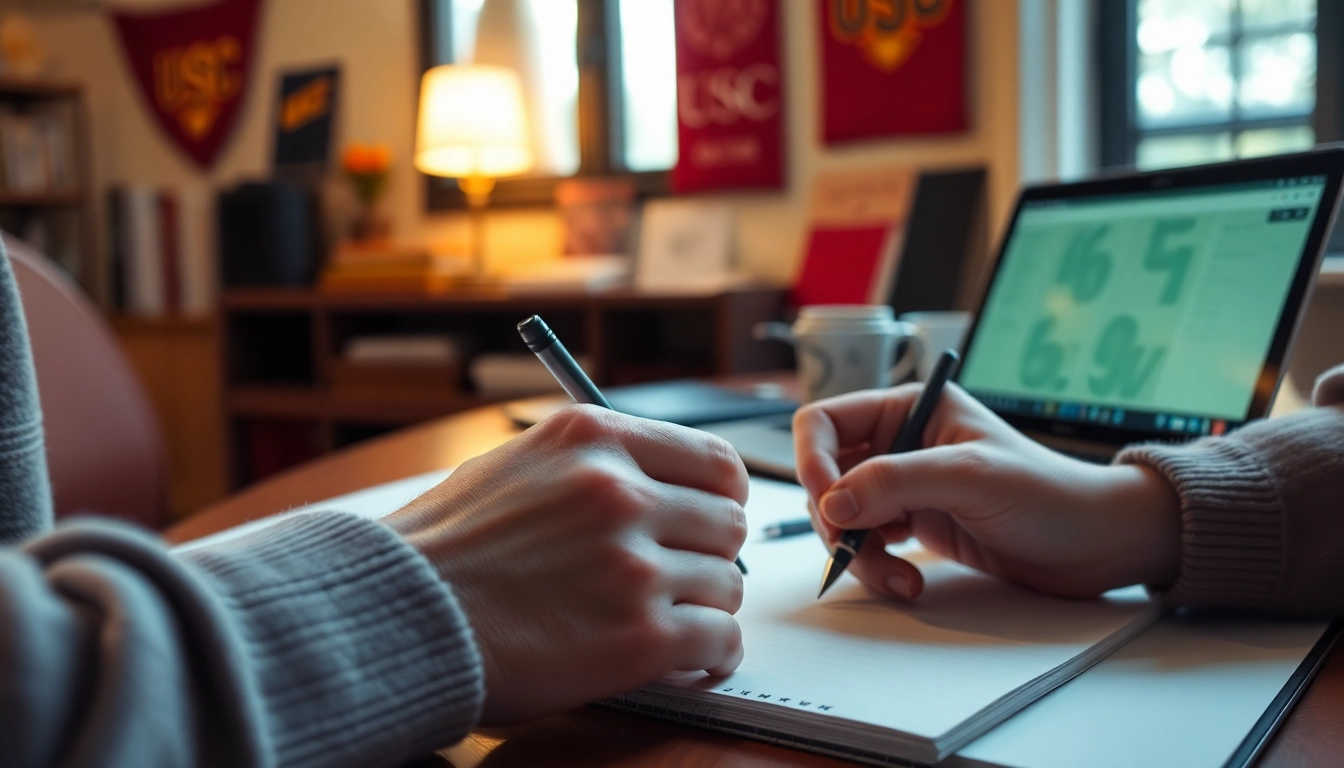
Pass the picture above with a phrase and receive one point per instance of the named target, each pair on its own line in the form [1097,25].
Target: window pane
[1165,25]
[1259,13]
[463,20]
[1278,75]
[536,38]
[649,84]
[1273,141]
[1184,85]
[1171,151]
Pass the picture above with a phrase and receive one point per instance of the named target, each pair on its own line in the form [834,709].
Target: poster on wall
[305,114]
[892,68]
[192,67]
[730,124]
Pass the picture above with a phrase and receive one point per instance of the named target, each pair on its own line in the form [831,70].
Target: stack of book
[162,262]
[380,267]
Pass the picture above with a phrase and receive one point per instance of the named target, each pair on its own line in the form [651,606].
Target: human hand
[591,554]
[980,493]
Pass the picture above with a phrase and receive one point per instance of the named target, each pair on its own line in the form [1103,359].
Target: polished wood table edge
[1313,734]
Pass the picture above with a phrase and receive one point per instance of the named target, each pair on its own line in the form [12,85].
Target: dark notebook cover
[689,403]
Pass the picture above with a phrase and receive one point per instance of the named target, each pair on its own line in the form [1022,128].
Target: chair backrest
[104,444]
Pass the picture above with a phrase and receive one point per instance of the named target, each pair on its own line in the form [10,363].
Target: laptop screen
[1151,311]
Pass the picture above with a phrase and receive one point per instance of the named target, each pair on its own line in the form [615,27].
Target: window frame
[1118,53]
[600,112]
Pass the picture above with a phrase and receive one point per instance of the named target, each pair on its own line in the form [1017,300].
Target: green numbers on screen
[1043,359]
[1085,266]
[1162,256]
[1123,366]
[1120,366]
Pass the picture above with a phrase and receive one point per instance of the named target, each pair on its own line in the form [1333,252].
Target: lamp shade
[472,123]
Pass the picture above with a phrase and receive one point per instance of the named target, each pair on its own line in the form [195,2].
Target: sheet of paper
[373,503]
[1185,693]
[922,668]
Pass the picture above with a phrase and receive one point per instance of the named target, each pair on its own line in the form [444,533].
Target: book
[142,269]
[878,680]
[161,258]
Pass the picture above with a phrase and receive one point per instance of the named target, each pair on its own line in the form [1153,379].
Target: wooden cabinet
[280,348]
[177,363]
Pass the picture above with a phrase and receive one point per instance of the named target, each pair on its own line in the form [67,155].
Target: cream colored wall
[375,41]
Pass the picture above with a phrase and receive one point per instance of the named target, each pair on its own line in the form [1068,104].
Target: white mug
[846,347]
[936,331]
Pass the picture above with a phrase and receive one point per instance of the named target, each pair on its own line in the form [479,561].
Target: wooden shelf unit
[279,346]
[18,210]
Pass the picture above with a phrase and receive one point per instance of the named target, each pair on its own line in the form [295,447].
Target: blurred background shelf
[287,395]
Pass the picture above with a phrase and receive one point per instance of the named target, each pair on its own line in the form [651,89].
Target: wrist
[1144,517]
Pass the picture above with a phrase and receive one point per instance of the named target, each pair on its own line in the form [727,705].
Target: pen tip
[835,568]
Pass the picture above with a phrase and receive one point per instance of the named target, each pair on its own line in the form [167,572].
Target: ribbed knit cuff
[361,653]
[1232,536]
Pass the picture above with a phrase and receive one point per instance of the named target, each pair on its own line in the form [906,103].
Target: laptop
[1150,306]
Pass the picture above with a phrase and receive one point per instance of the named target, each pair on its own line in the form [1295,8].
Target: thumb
[884,489]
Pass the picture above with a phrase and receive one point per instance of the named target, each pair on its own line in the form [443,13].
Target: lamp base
[477,189]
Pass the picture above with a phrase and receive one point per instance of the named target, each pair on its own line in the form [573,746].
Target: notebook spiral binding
[709,717]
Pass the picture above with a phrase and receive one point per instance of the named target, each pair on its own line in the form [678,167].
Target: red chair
[104,445]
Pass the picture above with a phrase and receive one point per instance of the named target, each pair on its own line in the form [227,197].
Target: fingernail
[900,585]
[839,506]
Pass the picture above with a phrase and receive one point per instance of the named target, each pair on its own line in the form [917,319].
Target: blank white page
[1184,695]
[921,667]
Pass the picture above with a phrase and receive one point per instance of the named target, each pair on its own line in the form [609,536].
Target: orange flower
[366,159]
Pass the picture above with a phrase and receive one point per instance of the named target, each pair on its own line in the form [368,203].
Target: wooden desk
[1312,736]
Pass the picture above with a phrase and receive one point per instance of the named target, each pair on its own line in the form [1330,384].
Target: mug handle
[914,350]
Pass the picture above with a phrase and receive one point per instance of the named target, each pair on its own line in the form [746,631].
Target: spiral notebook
[880,681]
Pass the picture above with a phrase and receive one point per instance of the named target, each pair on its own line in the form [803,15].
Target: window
[600,82]
[1195,81]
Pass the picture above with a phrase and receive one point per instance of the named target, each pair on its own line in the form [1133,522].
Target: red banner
[193,67]
[730,124]
[892,67]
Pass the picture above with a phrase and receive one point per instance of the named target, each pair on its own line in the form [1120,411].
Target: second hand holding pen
[547,347]
[908,439]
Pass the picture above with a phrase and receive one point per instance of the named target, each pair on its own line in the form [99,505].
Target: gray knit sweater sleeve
[1262,511]
[25,495]
[324,640]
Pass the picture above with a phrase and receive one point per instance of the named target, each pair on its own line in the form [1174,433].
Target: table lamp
[472,127]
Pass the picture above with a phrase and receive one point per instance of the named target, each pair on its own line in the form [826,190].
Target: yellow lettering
[306,104]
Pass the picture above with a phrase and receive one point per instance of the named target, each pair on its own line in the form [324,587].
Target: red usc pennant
[193,67]
[892,67]
[730,88]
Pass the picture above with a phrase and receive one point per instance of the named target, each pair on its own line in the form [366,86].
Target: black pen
[547,347]
[789,528]
[908,439]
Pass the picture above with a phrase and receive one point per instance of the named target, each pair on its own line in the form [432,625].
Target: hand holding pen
[543,343]
[909,438]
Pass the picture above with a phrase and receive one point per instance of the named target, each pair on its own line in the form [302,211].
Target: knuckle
[634,573]
[738,527]
[725,463]
[736,588]
[974,460]
[609,492]
[582,424]
[652,631]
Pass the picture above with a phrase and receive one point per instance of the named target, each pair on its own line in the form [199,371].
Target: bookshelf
[280,347]
[46,194]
